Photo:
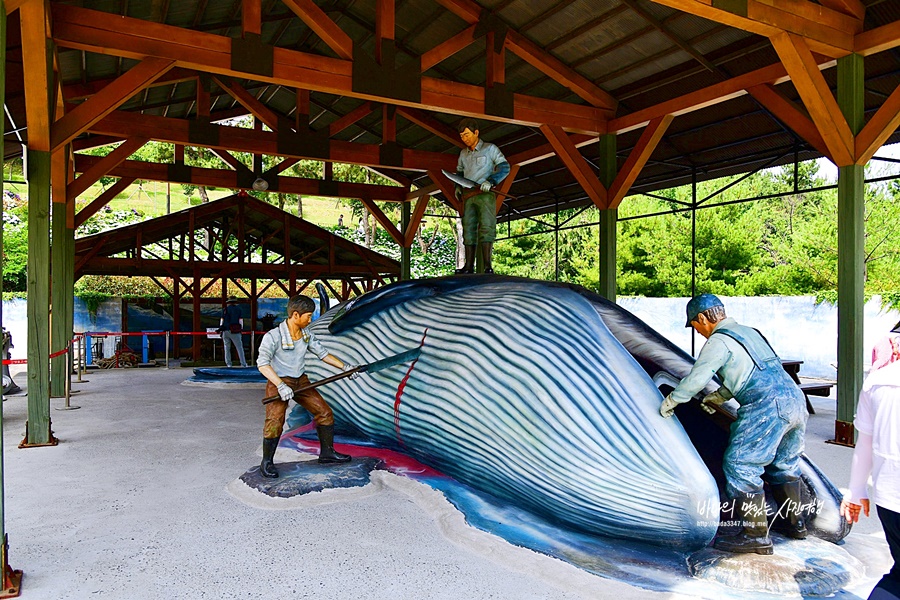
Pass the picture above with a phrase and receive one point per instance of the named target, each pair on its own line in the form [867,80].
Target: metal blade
[459,179]
[390,361]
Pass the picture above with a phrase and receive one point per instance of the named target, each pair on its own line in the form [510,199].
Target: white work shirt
[878,448]
[288,362]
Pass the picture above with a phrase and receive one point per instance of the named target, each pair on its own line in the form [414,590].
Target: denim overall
[768,435]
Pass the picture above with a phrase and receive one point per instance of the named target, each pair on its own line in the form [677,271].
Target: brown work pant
[311,400]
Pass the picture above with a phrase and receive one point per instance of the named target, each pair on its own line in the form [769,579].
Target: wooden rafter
[829,32]
[558,71]
[415,220]
[446,186]
[251,16]
[249,101]
[12,5]
[383,220]
[178,131]
[817,97]
[577,166]
[384,26]
[82,90]
[878,39]
[637,158]
[226,178]
[137,39]
[431,125]
[506,184]
[448,48]
[107,100]
[879,128]
[102,200]
[90,176]
[360,112]
[853,8]
[316,19]
[230,159]
[791,115]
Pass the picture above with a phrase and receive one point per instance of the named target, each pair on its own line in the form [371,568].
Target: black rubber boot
[469,267]
[487,249]
[754,537]
[267,466]
[327,455]
[787,497]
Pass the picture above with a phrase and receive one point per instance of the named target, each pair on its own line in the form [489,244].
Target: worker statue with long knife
[282,360]
[484,164]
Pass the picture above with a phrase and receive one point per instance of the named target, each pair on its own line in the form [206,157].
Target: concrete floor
[132,504]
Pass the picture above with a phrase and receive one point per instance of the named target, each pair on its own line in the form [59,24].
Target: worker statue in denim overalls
[767,437]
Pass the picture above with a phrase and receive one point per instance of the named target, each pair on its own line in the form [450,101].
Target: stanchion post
[252,345]
[167,349]
[70,351]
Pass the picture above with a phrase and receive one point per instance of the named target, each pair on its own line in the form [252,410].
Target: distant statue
[231,325]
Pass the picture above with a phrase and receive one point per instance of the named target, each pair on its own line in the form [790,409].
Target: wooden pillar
[254,304]
[851,254]
[608,220]
[195,326]
[405,251]
[38,303]
[59,336]
[176,314]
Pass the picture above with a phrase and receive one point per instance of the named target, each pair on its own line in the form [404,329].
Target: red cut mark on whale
[400,388]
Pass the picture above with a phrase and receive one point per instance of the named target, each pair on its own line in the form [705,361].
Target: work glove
[710,401]
[285,391]
[667,408]
[457,191]
[486,186]
[350,367]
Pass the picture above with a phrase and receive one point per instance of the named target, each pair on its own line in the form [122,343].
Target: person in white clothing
[877,454]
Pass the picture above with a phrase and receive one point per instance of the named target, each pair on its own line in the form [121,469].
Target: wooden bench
[808,389]
[817,389]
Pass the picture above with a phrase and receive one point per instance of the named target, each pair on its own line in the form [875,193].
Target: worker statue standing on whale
[484,164]
[768,436]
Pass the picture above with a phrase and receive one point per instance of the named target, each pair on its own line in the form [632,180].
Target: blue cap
[699,304]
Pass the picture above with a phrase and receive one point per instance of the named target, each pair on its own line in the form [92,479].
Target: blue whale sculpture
[541,394]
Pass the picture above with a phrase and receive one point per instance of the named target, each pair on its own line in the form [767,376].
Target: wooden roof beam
[38,76]
[79,91]
[12,5]
[251,17]
[879,128]
[577,165]
[360,112]
[102,200]
[383,220]
[179,131]
[506,184]
[96,31]
[384,26]
[817,97]
[226,178]
[415,220]
[446,186]
[447,48]
[877,40]
[852,8]
[249,101]
[828,31]
[789,114]
[108,99]
[431,125]
[103,166]
[559,71]
[316,19]
[637,158]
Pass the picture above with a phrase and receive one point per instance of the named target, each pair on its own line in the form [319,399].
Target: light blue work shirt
[478,164]
[288,363]
[721,355]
